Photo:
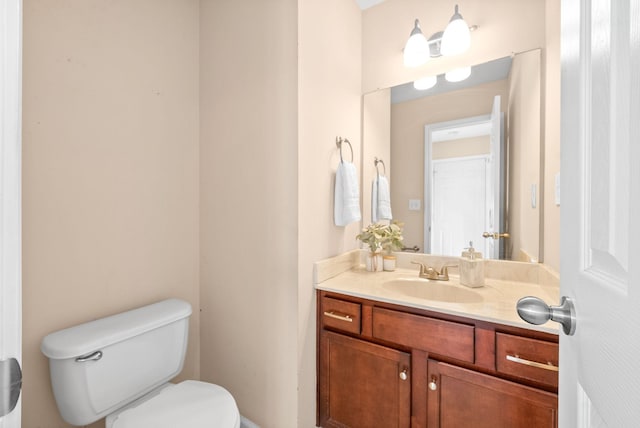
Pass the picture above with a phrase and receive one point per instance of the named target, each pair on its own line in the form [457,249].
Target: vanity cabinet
[363,383]
[386,365]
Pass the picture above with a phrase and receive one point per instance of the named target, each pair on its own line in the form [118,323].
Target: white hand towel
[383,198]
[374,201]
[347,195]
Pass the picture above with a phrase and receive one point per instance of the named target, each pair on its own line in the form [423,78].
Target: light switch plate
[534,195]
[415,204]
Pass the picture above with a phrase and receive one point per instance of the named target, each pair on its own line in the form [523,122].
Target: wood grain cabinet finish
[340,314]
[453,339]
[385,365]
[526,358]
[363,384]
[459,397]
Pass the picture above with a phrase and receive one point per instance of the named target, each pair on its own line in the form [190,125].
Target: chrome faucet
[428,272]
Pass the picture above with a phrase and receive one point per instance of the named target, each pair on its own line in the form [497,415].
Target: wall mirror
[465,158]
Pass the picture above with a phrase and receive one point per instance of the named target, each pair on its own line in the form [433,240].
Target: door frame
[10,190]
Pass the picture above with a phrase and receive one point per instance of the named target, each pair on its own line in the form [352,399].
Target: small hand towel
[382,199]
[347,195]
[374,201]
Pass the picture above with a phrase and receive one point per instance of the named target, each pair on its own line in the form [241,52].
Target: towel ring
[339,141]
[376,161]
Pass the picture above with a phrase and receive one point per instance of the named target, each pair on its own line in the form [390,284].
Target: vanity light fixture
[455,40]
[457,74]
[457,37]
[425,83]
[416,50]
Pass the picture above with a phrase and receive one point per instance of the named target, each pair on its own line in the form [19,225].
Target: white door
[600,213]
[10,223]
[458,204]
[495,190]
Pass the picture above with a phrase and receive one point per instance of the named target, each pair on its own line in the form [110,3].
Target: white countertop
[495,302]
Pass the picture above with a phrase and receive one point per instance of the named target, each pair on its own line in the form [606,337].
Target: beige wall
[248,186]
[376,131]
[158,154]
[258,319]
[110,170]
[461,147]
[407,145]
[328,106]
[524,142]
[551,119]
[507,26]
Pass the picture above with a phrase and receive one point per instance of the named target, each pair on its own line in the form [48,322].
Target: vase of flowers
[380,237]
[372,236]
[392,242]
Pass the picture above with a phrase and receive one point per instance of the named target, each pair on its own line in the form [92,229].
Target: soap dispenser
[471,267]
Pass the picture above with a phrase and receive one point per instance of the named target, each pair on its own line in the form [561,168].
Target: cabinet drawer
[428,334]
[532,359]
[341,315]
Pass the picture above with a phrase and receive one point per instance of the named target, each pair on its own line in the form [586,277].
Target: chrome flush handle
[91,357]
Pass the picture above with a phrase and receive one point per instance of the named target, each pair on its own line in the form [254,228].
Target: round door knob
[535,311]
[404,375]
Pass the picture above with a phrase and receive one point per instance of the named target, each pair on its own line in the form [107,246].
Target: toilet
[119,368]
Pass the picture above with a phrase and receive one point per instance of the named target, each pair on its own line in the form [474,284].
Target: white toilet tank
[100,366]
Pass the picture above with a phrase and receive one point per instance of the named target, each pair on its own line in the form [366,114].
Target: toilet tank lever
[95,356]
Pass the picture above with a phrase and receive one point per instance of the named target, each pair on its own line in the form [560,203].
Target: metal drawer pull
[91,357]
[340,317]
[516,359]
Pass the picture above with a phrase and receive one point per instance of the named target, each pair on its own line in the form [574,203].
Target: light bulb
[457,74]
[416,51]
[457,37]
[425,83]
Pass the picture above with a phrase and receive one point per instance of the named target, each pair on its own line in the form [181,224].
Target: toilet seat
[189,404]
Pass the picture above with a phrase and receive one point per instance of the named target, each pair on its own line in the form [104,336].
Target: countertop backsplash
[536,273]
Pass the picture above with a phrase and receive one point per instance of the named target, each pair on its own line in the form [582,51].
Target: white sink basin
[441,291]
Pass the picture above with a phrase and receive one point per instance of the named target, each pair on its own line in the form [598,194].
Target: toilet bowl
[190,404]
[119,367]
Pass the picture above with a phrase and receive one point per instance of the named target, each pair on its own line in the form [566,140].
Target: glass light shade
[457,74]
[416,51]
[457,37]
[425,83]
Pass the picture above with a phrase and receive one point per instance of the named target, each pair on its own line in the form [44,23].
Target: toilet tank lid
[92,336]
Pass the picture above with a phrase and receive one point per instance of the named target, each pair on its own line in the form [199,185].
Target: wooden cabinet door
[458,397]
[362,384]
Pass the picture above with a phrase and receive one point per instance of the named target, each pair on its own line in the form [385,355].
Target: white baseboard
[246,423]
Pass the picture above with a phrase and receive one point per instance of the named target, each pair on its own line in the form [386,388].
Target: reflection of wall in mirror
[407,144]
[520,95]
[461,147]
[376,131]
[524,115]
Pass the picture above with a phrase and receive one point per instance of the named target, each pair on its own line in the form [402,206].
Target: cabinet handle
[433,385]
[340,317]
[404,375]
[516,359]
